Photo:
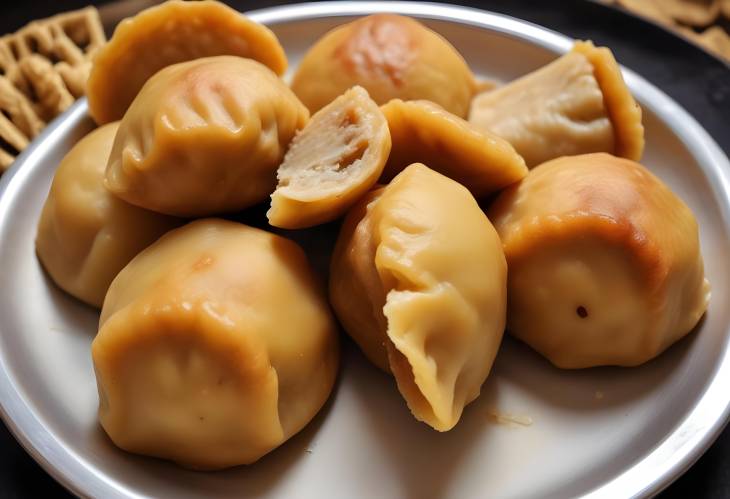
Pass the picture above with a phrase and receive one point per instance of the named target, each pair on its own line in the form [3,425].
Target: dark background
[695,79]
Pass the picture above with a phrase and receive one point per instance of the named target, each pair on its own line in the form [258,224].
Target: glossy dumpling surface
[85,234]
[175,31]
[424,132]
[418,280]
[604,262]
[577,104]
[204,137]
[215,345]
[331,163]
[390,56]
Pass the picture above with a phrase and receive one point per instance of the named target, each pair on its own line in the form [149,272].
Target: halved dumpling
[604,262]
[418,280]
[86,235]
[204,137]
[391,56]
[331,163]
[422,131]
[577,104]
[173,32]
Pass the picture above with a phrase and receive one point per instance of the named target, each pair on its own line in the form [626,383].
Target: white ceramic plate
[601,432]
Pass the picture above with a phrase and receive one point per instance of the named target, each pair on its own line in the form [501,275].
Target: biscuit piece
[18,123]
[649,9]
[604,262]
[9,68]
[331,162]
[698,13]
[48,87]
[68,41]
[170,33]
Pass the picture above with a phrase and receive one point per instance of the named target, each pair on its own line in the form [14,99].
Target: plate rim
[647,477]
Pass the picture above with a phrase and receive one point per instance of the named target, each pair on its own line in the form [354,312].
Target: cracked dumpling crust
[390,56]
[216,344]
[422,131]
[418,280]
[173,32]
[331,163]
[85,234]
[577,104]
[604,262]
[204,137]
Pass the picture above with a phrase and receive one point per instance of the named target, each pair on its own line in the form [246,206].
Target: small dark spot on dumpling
[582,312]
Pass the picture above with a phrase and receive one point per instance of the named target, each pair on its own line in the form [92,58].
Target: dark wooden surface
[698,81]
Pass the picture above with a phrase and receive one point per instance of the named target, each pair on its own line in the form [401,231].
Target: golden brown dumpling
[331,163]
[418,279]
[392,57]
[166,34]
[577,104]
[215,346]
[86,235]
[604,262]
[424,132]
[204,137]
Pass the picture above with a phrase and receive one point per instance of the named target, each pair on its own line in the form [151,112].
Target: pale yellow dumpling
[85,234]
[392,57]
[577,104]
[604,262]
[331,163]
[216,345]
[418,280]
[173,32]
[422,131]
[204,137]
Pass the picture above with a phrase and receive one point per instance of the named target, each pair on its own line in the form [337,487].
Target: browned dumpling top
[390,56]
[204,137]
[175,31]
[604,262]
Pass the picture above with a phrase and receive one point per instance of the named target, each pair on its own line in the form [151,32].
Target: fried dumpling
[85,234]
[216,344]
[418,279]
[390,56]
[204,137]
[577,104]
[604,262]
[175,31]
[422,131]
[331,163]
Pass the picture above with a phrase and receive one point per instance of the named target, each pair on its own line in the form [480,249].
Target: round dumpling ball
[216,345]
[204,137]
[85,234]
[392,57]
[419,281]
[604,262]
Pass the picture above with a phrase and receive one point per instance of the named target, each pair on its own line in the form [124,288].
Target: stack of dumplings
[455,215]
